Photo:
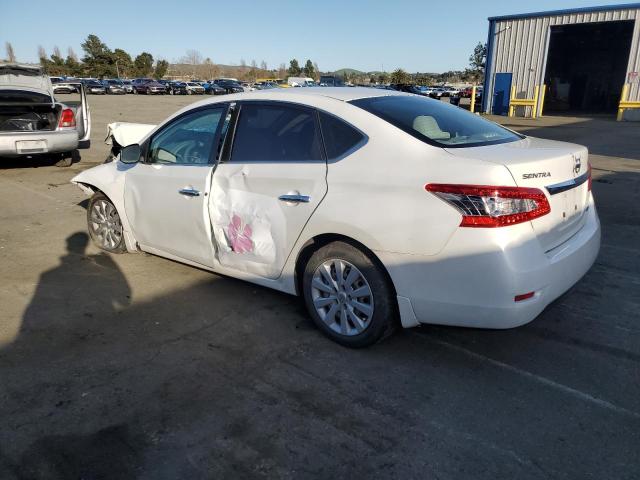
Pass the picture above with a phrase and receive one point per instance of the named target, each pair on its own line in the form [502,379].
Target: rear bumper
[473,281]
[54,142]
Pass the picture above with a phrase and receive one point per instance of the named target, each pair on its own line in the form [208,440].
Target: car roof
[345,94]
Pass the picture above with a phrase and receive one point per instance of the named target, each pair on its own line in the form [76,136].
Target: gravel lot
[132,366]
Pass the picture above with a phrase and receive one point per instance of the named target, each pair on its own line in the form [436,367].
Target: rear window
[339,137]
[435,122]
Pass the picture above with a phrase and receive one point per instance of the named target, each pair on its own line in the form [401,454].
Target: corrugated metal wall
[520,47]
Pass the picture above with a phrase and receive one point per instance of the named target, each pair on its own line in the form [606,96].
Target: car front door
[166,195]
[265,190]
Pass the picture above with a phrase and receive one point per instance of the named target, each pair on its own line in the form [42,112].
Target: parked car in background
[61,85]
[230,86]
[33,122]
[260,194]
[194,88]
[437,92]
[451,91]
[331,81]
[177,88]
[128,87]
[211,88]
[94,87]
[148,86]
[301,82]
[114,86]
[264,85]
[166,83]
[409,88]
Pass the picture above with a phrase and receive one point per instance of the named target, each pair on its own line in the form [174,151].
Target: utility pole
[117,69]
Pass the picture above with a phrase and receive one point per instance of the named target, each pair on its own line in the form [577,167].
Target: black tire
[120,246]
[384,320]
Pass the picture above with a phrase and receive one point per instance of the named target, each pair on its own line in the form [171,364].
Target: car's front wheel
[349,297]
[105,226]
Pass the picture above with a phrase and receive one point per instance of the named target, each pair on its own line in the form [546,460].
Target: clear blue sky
[414,35]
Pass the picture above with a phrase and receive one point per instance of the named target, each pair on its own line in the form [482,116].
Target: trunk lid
[559,169]
[26,78]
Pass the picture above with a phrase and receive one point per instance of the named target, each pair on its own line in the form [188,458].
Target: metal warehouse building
[579,60]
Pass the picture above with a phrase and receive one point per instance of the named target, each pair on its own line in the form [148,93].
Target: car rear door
[267,186]
[166,196]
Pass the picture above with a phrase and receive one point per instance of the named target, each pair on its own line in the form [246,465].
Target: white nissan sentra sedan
[380,208]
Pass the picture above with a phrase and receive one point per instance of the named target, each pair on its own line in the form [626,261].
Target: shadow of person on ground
[81,286]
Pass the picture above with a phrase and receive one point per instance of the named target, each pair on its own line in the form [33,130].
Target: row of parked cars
[149,86]
[436,92]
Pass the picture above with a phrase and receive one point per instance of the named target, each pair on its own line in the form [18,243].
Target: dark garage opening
[586,67]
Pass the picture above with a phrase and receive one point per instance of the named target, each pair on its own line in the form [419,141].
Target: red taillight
[67,118]
[488,206]
[523,296]
[589,180]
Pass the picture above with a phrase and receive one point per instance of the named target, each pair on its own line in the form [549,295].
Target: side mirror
[130,154]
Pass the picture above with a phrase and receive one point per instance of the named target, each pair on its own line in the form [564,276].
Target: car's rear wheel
[104,224]
[348,296]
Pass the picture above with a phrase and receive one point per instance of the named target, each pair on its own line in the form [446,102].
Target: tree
[161,69]
[400,76]
[11,56]
[282,70]
[72,66]
[383,77]
[316,69]
[123,63]
[98,58]
[309,70]
[94,48]
[294,68]
[192,57]
[253,74]
[72,54]
[263,65]
[144,64]
[477,62]
[42,53]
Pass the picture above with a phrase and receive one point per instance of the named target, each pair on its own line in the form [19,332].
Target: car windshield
[435,122]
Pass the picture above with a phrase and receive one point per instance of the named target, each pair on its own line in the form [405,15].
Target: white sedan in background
[380,208]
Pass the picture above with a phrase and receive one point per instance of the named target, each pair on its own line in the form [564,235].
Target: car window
[188,140]
[339,137]
[435,122]
[276,133]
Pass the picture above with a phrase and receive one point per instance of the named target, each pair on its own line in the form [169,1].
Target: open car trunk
[29,118]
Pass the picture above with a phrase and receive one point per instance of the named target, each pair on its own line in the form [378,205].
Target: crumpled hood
[125,133]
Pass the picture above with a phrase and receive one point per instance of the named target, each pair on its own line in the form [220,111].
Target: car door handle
[189,192]
[295,198]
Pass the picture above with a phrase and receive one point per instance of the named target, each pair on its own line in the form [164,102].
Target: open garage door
[586,67]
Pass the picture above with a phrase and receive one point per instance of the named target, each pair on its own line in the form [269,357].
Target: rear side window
[339,137]
[276,133]
[435,122]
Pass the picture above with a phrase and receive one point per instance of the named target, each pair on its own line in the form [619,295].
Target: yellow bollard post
[623,96]
[534,108]
[542,93]
[512,108]
[473,99]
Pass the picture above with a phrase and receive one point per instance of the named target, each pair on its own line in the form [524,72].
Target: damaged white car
[380,208]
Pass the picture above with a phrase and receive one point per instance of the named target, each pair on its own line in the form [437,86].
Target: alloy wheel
[342,297]
[105,224]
